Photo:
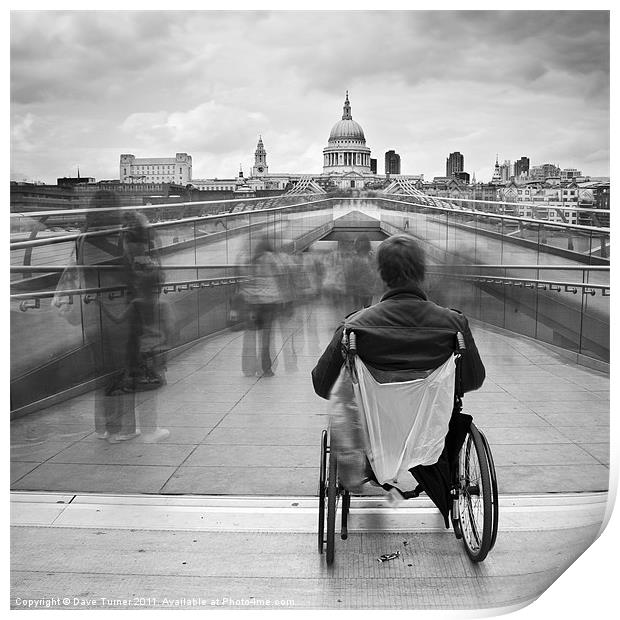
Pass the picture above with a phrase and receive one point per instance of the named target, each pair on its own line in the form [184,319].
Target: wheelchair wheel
[494,493]
[332,498]
[322,491]
[475,497]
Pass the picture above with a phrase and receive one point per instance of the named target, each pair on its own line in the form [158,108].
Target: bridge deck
[547,420]
[206,570]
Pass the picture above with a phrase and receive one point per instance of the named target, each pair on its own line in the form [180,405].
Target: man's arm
[472,368]
[327,369]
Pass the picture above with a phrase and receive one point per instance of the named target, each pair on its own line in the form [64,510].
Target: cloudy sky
[88,86]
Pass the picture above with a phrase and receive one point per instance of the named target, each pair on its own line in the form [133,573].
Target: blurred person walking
[360,275]
[262,295]
[102,244]
[289,281]
[146,326]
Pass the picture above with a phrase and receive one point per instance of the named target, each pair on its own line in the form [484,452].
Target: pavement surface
[129,569]
[546,418]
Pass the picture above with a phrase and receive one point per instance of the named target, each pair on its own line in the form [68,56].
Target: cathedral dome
[347,129]
[346,152]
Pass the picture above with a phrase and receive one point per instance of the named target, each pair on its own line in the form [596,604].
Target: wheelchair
[472,508]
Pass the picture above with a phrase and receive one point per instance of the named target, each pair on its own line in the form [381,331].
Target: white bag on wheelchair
[406,422]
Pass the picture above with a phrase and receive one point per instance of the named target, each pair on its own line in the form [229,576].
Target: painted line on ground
[286,514]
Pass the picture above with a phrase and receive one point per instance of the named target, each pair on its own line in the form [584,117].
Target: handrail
[588,288]
[149,207]
[505,217]
[551,267]
[53,268]
[42,241]
[514,204]
[184,285]
[166,287]
[18,245]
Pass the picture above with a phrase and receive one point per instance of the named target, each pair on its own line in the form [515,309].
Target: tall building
[505,171]
[454,163]
[522,167]
[373,166]
[176,169]
[392,163]
[260,160]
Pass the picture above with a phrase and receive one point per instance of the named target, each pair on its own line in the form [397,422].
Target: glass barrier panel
[559,319]
[596,317]
[520,312]
[492,304]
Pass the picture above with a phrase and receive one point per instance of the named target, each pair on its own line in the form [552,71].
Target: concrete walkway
[128,569]
[546,418]
[252,445]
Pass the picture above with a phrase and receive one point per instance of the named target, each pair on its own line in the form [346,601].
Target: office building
[454,163]
[392,163]
[522,167]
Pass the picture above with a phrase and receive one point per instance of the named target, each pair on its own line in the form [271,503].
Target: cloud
[208,82]
[210,127]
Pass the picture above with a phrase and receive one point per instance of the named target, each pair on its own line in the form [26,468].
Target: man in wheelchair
[401,338]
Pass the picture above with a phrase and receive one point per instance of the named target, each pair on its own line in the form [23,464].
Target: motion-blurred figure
[100,246]
[262,295]
[288,281]
[334,281]
[360,275]
[309,286]
[146,326]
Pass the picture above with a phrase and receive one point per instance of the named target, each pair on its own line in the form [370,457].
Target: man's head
[401,261]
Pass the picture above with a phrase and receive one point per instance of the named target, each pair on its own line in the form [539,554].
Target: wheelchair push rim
[494,492]
[322,492]
[330,490]
[475,497]
[332,506]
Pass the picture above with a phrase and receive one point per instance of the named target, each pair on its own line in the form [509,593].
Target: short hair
[401,261]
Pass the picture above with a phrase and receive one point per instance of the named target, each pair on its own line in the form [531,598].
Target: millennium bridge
[237,470]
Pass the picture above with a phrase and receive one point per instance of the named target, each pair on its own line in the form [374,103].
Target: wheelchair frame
[474,511]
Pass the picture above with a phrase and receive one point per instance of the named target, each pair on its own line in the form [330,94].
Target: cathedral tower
[260,160]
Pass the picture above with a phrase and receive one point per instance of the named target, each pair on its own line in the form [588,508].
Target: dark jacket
[404,331]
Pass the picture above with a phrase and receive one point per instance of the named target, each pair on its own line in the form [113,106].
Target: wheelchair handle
[461,341]
[352,342]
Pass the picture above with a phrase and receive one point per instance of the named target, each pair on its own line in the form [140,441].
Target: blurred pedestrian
[149,333]
[360,275]
[289,282]
[262,295]
[102,245]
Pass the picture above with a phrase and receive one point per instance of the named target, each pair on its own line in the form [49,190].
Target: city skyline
[86,87]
